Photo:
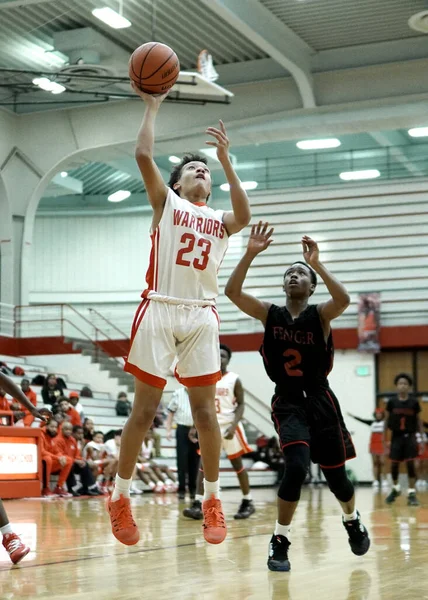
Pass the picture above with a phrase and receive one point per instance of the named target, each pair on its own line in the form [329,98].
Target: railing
[44,320]
[97,315]
[7,319]
[324,167]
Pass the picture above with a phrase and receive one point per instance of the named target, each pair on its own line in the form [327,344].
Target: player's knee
[339,483]
[204,418]
[291,484]
[143,413]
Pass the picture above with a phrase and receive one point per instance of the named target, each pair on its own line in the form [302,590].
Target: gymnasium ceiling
[329,34]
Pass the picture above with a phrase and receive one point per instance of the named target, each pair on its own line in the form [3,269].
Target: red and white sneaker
[15,547]
[59,491]
[159,488]
[47,493]
[214,525]
[122,522]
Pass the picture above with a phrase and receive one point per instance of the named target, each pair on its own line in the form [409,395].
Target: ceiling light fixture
[418,132]
[318,144]
[49,86]
[246,185]
[119,196]
[111,18]
[356,175]
[64,174]
[174,159]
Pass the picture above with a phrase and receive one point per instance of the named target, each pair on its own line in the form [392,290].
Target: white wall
[374,238]
[356,395]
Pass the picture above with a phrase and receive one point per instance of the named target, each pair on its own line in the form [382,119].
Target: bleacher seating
[101,408]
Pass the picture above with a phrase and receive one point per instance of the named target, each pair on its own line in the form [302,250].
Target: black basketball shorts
[317,422]
[403,447]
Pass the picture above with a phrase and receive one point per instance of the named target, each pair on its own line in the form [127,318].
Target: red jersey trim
[153,380]
[200,380]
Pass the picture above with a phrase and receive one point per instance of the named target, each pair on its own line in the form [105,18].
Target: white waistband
[179,301]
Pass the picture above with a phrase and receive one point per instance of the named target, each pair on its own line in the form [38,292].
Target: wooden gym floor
[74,555]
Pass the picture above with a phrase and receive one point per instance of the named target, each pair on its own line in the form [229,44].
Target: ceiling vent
[419,21]
[84,76]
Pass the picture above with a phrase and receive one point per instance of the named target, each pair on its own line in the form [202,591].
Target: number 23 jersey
[295,354]
[188,247]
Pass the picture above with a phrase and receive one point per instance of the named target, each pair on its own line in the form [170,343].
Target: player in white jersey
[177,317]
[230,410]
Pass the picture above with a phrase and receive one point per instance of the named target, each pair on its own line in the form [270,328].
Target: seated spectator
[67,443]
[86,392]
[54,461]
[76,404]
[123,405]
[112,447]
[5,406]
[32,397]
[51,390]
[158,477]
[97,459]
[13,406]
[68,411]
[88,429]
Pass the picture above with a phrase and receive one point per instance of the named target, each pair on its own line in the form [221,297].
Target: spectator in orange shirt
[32,397]
[69,412]
[54,461]
[74,400]
[5,405]
[68,445]
[12,406]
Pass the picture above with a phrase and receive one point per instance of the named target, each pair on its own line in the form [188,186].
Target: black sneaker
[194,511]
[412,500]
[393,494]
[246,509]
[358,536]
[181,495]
[278,554]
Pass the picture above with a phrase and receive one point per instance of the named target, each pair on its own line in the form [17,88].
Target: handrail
[96,342]
[93,310]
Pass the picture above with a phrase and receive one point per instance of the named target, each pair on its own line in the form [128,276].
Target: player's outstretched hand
[260,238]
[221,140]
[150,99]
[44,414]
[311,252]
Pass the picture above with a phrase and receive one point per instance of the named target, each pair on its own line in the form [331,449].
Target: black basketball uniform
[304,408]
[403,422]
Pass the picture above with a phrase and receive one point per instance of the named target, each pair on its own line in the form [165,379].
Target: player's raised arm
[259,240]
[240,215]
[11,388]
[155,185]
[340,299]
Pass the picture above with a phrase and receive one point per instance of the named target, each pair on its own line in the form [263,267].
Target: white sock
[282,530]
[6,529]
[411,491]
[152,485]
[247,497]
[397,487]
[199,498]
[168,481]
[121,486]
[351,517]
[210,488]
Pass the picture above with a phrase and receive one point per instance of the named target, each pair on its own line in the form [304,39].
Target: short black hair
[314,278]
[122,395]
[226,349]
[97,433]
[403,376]
[176,171]
[76,428]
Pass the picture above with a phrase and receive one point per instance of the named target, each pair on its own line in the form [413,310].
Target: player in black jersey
[402,418]
[297,352]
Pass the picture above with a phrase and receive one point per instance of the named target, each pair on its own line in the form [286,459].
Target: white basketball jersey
[188,247]
[377,426]
[225,401]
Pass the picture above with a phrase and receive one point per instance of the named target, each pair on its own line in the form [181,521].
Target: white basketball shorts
[238,445]
[163,332]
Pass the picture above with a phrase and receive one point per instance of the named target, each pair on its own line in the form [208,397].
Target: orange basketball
[154,67]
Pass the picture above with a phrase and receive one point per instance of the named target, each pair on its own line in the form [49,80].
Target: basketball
[154,67]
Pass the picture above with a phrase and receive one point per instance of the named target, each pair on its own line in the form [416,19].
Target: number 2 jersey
[295,354]
[188,247]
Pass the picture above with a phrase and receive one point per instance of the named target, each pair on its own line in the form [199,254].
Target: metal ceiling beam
[267,32]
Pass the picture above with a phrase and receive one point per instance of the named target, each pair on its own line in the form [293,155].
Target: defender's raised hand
[311,252]
[150,99]
[222,141]
[260,238]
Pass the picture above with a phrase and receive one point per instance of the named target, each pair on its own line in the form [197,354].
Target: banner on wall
[369,323]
